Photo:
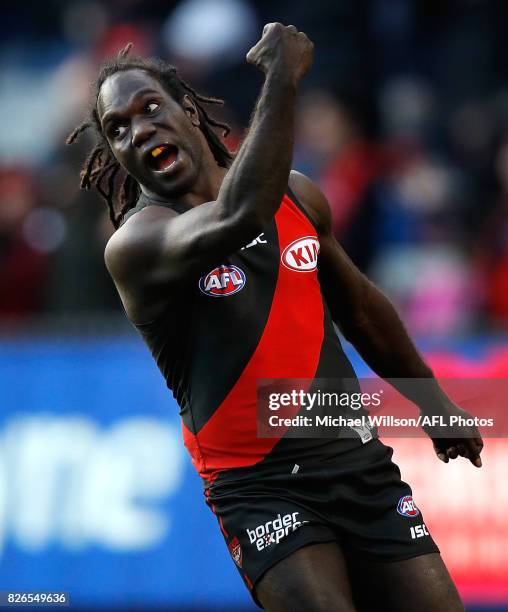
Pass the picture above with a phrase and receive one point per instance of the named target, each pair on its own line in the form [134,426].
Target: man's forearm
[383,342]
[257,180]
[254,185]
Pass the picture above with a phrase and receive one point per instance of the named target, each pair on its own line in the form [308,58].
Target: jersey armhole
[296,201]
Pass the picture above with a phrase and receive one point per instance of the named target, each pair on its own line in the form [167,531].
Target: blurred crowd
[403,122]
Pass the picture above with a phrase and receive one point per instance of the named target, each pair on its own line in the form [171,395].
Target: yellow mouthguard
[156,152]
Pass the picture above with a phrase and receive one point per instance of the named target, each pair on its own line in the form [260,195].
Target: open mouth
[162,157]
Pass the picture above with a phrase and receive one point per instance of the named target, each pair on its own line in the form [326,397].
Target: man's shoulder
[122,247]
[128,246]
[135,242]
[312,199]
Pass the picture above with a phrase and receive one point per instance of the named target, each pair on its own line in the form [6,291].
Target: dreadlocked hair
[101,169]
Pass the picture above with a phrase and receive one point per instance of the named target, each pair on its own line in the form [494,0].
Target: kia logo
[302,254]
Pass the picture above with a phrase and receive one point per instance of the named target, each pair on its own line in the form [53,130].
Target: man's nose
[142,130]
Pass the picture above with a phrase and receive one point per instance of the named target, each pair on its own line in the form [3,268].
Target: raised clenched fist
[283,50]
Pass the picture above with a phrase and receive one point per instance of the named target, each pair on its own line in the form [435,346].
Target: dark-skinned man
[228,268]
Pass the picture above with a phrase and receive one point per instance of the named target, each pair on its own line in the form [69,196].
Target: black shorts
[355,498]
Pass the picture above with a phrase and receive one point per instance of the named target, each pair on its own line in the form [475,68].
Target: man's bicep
[162,248]
[344,286]
[191,243]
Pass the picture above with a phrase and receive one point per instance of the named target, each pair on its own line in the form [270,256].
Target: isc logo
[419,531]
[302,254]
[222,281]
[407,507]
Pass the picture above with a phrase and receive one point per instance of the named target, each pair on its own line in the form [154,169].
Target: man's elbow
[245,223]
[355,328]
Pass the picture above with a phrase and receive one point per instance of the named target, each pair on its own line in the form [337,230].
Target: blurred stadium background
[404,124]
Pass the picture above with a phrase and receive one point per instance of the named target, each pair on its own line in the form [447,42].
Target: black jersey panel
[226,330]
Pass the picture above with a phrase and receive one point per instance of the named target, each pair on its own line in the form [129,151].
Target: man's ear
[190,110]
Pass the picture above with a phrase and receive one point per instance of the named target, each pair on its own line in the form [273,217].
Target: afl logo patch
[302,254]
[222,281]
[406,507]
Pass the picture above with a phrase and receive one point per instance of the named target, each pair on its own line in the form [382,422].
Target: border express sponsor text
[272,532]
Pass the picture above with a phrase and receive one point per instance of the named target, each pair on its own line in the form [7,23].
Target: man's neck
[206,189]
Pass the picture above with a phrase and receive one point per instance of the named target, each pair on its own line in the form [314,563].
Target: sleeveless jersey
[259,315]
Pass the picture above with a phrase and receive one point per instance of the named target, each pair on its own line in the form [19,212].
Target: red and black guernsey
[260,315]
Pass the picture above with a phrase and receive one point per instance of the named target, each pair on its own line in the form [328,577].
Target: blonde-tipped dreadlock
[101,169]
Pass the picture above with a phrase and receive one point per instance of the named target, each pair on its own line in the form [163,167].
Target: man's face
[155,139]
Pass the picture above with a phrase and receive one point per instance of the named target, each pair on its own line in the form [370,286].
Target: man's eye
[151,107]
[118,131]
